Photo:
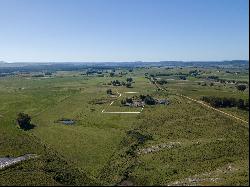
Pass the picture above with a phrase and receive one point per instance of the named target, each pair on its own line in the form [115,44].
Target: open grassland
[165,144]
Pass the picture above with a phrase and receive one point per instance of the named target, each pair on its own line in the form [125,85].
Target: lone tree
[129,79]
[241,87]
[123,101]
[23,121]
[128,84]
[149,100]
[109,91]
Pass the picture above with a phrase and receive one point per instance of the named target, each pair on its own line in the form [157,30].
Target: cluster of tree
[164,74]
[117,83]
[48,73]
[226,102]
[23,120]
[182,77]
[148,99]
[213,77]
[129,79]
[112,74]
[204,84]
[93,71]
[162,81]
[241,87]
[193,73]
[126,100]
[128,84]
[38,75]
[217,79]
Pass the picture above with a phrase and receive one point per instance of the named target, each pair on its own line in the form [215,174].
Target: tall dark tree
[23,120]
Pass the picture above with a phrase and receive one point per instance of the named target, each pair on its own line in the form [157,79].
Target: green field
[102,148]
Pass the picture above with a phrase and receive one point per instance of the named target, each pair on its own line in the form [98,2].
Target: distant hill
[67,66]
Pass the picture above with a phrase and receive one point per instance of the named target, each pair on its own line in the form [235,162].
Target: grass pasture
[103,148]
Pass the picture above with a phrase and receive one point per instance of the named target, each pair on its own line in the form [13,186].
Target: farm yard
[84,135]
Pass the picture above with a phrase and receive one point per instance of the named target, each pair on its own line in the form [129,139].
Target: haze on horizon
[125,30]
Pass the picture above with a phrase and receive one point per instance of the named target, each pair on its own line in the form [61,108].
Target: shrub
[129,79]
[241,87]
[23,120]
[109,91]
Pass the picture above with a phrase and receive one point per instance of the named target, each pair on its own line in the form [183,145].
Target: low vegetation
[23,120]
[164,144]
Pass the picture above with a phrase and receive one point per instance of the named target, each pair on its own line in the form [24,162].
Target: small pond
[67,121]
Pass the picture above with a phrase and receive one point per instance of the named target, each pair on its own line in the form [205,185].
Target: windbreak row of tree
[226,102]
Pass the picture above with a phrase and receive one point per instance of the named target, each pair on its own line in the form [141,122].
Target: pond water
[67,122]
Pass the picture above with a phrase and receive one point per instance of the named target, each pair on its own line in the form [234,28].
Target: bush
[162,81]
[129,100]
[128,84]
[241,87]
[129,79]
[149,100]
[116,83]
[23,120]
[109,91]
[182,77]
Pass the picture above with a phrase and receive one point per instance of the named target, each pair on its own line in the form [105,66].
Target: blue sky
[123,30]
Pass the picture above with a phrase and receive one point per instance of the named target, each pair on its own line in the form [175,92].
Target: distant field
[164,144]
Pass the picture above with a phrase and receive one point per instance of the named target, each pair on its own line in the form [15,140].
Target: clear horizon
[123,61]
[123,31]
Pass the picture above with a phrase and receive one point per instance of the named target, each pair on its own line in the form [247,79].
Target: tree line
[219,102]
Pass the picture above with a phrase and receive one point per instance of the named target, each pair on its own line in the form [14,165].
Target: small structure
[138,103]
[162,101]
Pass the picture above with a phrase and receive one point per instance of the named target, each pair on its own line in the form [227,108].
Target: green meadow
[201,146]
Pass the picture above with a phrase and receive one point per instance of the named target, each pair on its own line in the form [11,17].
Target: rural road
[204,104]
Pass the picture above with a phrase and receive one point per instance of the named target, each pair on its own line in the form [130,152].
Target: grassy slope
[100,146]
